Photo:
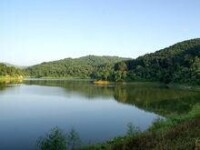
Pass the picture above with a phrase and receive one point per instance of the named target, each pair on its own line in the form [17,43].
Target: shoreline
[10,79]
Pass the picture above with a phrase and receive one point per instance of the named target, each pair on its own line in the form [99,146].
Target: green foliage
[176,132]
[57,139]
[73,140]
[132,130]
[173,120]
[9,71]
[195,112]
[83,67]
[179,63]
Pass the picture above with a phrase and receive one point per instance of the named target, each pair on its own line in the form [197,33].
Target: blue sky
[33,31]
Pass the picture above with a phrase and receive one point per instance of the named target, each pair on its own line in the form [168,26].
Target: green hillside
[178,63]
[6,70]
[83,67]
[10,74]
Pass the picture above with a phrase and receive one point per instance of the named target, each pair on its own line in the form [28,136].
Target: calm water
[98,113]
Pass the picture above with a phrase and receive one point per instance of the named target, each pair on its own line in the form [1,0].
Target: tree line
[9,71]
[179,63]
[83,67]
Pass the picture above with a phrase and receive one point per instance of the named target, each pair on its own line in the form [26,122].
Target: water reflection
[148,96]
[98,113]
[2,86]
[157,98]
[29,110]
[83,88]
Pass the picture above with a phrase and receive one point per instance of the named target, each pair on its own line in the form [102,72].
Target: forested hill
[11,71]
[83,67]
[178,63]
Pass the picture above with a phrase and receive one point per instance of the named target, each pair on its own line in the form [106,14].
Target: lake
[98,113]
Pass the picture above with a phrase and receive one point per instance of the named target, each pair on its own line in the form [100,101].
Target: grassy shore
[10,79]
[176,132]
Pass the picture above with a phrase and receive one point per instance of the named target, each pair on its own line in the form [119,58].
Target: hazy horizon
[37,31]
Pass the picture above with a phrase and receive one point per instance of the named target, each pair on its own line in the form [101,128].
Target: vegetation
[83,67]
[9,73]
[9,70]
[57,139]
[101,82]
[179,63]
[177,132]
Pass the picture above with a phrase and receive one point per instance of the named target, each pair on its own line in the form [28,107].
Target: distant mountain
[82,67]
[178,63]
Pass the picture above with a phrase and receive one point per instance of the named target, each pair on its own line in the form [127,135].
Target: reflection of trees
[84,88]
[157,98]
[149,96]
[11,81]
[2,86]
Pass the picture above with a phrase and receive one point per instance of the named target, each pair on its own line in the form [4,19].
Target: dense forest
[179,63]
[11,71]
[83,67]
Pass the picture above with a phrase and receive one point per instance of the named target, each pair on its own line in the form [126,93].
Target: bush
[57,139]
